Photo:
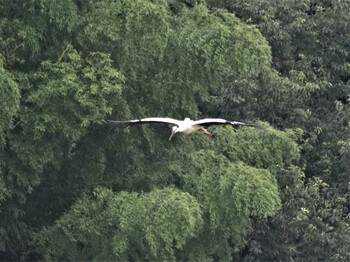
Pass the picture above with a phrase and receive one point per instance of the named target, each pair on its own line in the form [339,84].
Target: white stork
[186,126]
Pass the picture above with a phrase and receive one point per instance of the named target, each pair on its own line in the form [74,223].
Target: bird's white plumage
[187,126]
[165,120]
[218,121]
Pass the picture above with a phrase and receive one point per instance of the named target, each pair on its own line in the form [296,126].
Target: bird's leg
[205,132]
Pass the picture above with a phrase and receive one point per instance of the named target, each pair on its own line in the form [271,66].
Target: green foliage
[219,41]
[310,52]
[33,31]
[231,193]
[128,29]
[232,187]
[65,99]
[9,100]
[312,223]
[74,188]
[76,88]
[59,102]
[109,226]
[268,148]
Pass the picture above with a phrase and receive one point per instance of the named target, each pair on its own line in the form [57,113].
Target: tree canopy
[74,188]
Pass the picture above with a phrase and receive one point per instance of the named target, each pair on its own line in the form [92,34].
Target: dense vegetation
[73,188]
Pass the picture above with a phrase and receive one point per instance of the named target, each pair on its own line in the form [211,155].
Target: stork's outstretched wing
[157,120]
[220,121]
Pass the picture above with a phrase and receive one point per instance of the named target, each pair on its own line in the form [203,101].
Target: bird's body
[186,126]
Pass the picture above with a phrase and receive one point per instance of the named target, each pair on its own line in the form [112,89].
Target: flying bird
[186,126]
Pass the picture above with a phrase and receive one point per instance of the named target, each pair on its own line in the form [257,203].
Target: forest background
[73,188]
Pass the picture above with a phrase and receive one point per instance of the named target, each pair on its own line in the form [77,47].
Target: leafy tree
[9,99]
[72,187]
[309,50]
[226,201]
[62,100]
[120,226]
[305,49]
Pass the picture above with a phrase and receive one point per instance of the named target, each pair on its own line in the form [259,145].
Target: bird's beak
[172,134]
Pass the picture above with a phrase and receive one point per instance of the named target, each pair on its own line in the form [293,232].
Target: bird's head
[174,131]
